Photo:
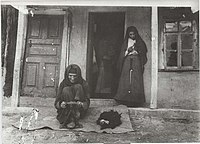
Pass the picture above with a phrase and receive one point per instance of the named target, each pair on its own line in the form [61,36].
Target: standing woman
[131,63]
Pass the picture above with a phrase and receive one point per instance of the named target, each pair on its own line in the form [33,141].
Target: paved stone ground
[149,125]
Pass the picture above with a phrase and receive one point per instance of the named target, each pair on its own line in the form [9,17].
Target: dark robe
[131,87]
[68,92]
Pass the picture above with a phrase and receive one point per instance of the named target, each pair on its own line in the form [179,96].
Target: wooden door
[42,59]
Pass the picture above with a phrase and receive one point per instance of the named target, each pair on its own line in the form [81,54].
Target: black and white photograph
[100,72]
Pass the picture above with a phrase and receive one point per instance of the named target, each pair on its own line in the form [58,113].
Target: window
[179,45]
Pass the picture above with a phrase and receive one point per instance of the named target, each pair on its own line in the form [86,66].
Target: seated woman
[73,98]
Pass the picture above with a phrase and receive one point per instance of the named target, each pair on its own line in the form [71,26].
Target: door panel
[42,62]
[35,28]
[50,75]
[31,74]
[53,29]
[44,50]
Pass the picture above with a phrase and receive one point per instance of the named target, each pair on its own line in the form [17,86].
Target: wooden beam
[50,12]
[154,57]
[163,3]
[64,50]
[21,9]
[20,45]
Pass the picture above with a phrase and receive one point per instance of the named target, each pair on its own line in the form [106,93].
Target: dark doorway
[105,36]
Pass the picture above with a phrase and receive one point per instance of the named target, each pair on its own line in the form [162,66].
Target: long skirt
[131,87]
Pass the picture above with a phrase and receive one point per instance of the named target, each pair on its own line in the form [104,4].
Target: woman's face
[132,35]
[72,77]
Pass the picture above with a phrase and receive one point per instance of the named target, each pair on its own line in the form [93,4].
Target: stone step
[39,101]
[142,112]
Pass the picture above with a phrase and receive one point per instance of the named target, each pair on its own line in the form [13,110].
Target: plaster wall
[175,90]
[178,90]
[137,16]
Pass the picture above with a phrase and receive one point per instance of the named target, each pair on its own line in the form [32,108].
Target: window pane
[171,26]
[187,59]
[187,41]
[171,49]
[171,58]
[171,42]
[185,26]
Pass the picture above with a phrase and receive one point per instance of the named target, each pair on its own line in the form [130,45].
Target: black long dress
[131,87]
[72,92]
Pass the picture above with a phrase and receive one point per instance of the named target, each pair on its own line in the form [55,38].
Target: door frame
[21,45]
[89,47]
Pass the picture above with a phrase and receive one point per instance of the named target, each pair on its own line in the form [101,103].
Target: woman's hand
[63,104]
[80,104]
[130,49]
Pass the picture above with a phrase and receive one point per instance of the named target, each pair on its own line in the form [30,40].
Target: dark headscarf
[140,47]
[132,29]
[73,68]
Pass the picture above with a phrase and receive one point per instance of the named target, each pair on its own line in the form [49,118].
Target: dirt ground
[147,129]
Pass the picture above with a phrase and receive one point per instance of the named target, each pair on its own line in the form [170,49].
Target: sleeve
[143,53]
[58,99]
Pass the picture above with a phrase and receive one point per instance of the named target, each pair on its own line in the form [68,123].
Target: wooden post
[154,57]
[69,29]
[20,45]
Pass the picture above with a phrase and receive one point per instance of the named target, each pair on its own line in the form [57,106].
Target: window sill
[178,70]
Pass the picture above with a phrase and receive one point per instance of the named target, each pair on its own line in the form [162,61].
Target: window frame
[179,50]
